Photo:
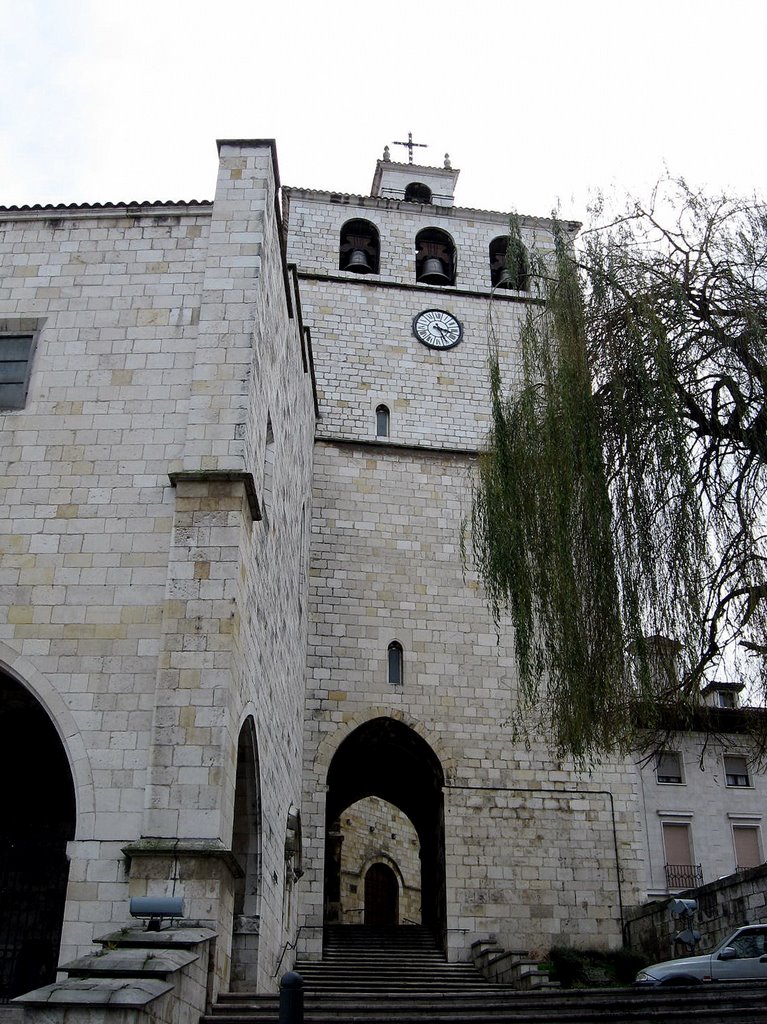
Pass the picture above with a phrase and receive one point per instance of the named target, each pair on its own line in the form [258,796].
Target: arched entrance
[387,759]
[381,896]
[246,847]
[37,818]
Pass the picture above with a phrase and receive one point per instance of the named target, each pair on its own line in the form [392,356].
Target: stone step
[574,1015]
[371,956]
[728,1004]
[371,966]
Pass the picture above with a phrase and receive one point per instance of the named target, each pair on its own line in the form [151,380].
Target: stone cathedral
[241,660]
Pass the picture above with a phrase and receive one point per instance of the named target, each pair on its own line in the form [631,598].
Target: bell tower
[414,183]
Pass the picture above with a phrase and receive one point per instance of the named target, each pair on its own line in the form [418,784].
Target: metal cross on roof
[411,146]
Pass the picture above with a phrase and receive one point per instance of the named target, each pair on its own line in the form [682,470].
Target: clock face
[437,329]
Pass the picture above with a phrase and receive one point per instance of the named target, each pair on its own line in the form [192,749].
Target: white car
[742,956]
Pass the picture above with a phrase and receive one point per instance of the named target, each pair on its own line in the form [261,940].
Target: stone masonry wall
[87,506]
[723,905]
[142,600]
[533,849]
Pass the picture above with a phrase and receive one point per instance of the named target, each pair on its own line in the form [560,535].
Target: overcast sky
[536,102]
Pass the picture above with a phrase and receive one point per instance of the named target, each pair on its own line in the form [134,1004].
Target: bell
[433,271]
[358,262]
[504,279]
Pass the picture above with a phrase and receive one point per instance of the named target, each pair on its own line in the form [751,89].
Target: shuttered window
[736,770]
[676,839]
[747,852]
[15,354]
[669,767]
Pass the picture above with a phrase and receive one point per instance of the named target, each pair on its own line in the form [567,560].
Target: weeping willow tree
[621,496]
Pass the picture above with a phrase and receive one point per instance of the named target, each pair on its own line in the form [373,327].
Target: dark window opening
[267,493]
[435,257]
[360,247]
[382,421]
[15,358]
[395,663]
[417,192]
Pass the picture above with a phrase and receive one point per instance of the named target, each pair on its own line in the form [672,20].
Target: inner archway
[37,818]
[385,758]
[375,832]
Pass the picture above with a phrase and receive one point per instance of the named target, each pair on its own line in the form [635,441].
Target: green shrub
[594,967]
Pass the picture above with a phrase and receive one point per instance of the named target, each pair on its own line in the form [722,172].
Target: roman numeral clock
[436,328]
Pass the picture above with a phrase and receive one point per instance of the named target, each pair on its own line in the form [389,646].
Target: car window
[749,944]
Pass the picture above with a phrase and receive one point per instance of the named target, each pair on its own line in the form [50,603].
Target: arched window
[435,257]
[395,663]
[417,192]
[502,275]
[382,421]
[360,247]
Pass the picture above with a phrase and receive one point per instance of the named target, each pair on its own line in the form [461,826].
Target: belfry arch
[37,819]
[387,759]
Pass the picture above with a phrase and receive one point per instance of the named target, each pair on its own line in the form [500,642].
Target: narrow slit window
[395,663]
[267,493]
[382,421]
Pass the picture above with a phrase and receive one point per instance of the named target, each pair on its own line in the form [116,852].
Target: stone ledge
[170,938]
[213,849]
[132,962]
[204,476]
[100,992]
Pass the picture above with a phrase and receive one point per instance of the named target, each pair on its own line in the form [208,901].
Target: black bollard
[291,999]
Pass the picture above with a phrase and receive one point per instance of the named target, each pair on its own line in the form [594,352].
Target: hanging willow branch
[619,499]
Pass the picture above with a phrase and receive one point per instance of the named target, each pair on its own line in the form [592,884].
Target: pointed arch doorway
[37,819]
[387,759]
[246,847]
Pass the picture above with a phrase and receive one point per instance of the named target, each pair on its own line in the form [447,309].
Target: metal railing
[683,876]
[288,945]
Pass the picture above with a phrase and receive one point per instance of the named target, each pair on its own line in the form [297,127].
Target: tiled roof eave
[387,201]
[132,208]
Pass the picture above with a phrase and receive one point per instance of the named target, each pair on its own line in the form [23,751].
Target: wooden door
[381,896]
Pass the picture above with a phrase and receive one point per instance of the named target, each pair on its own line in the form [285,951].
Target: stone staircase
[398,976]
[360,958]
